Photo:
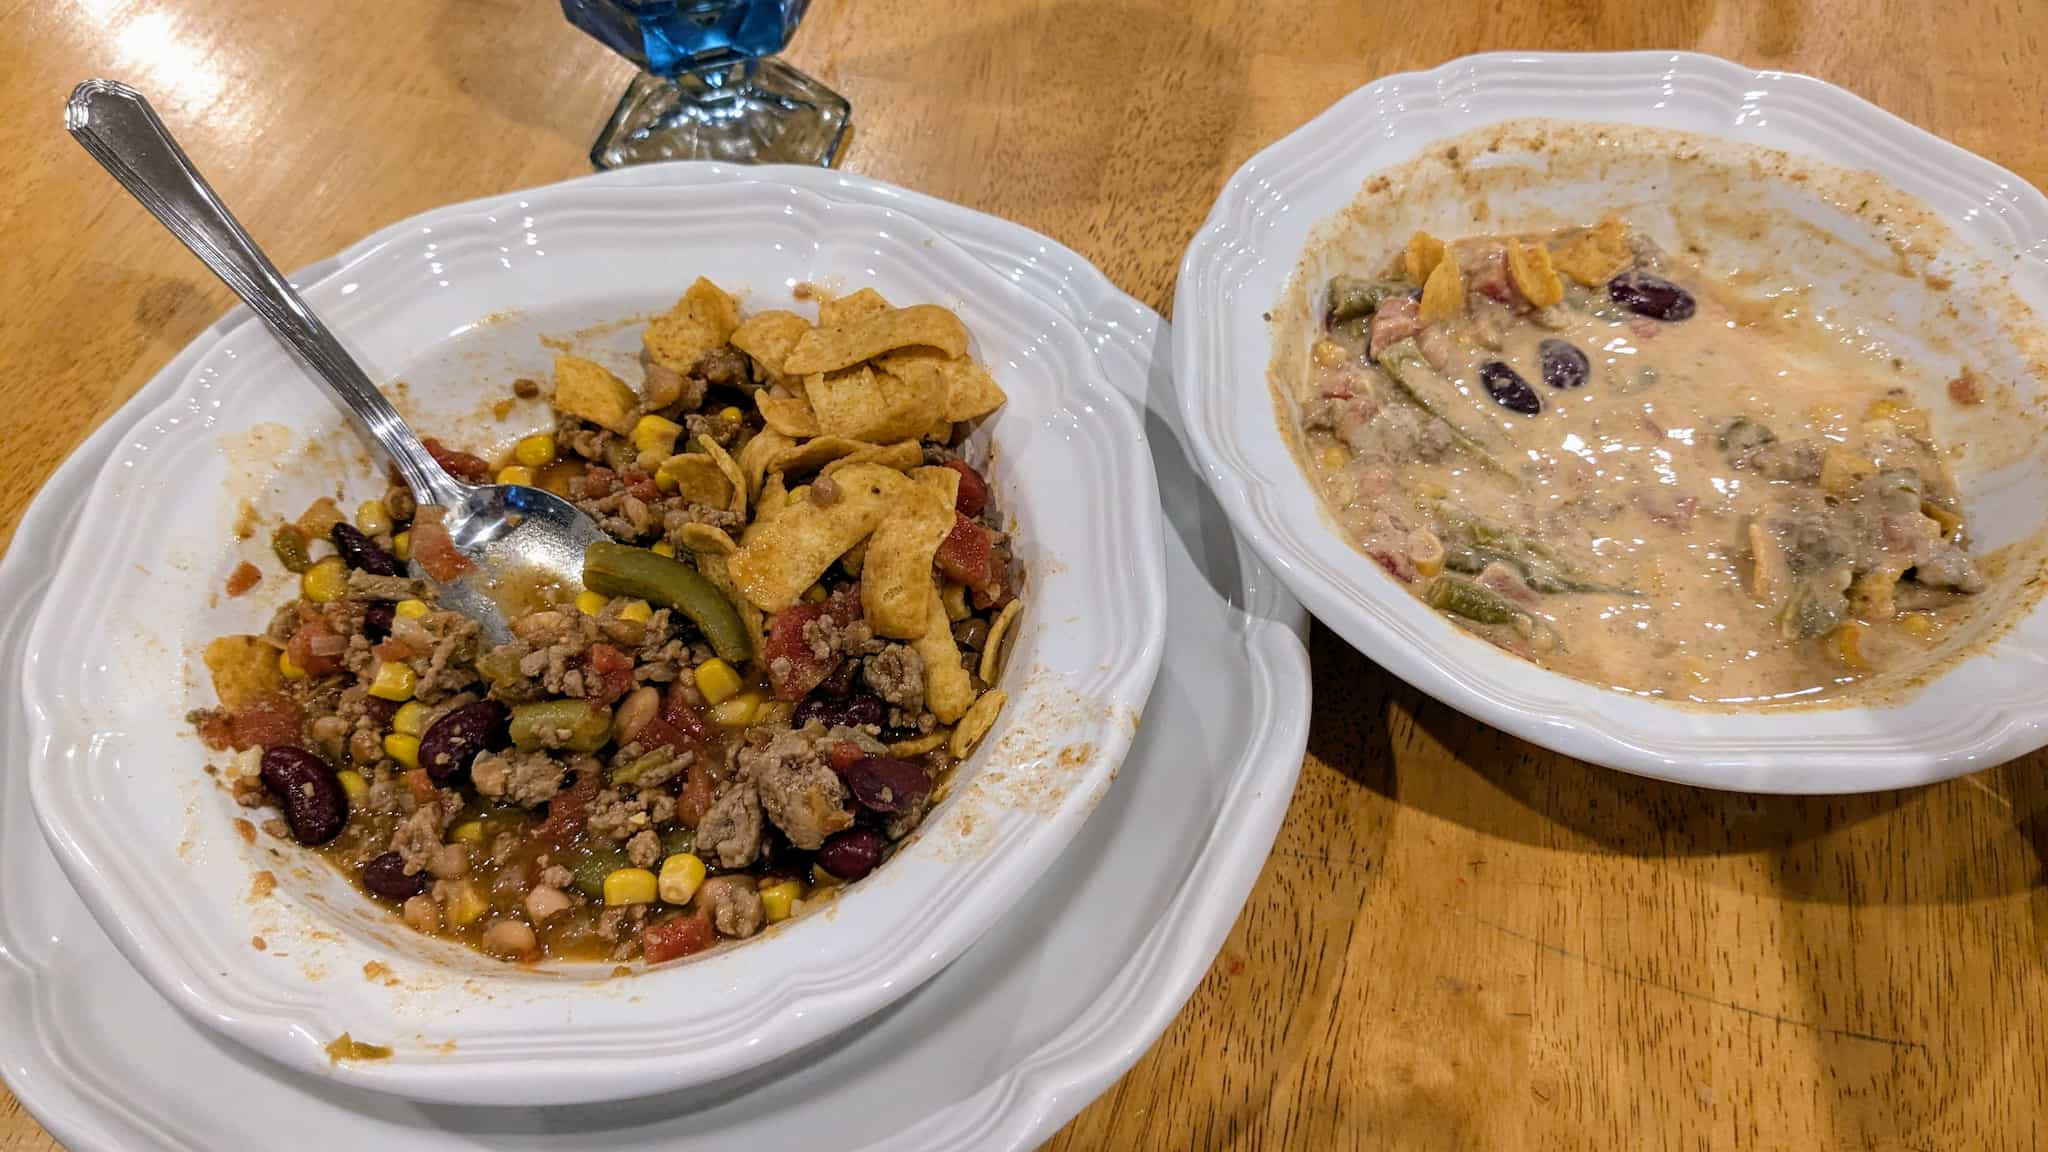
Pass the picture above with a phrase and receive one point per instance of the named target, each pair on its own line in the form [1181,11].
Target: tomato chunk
[698,791]
[967,555]
[459,464]
[614,672]
[973,489]
[677,936]
[569,810]
[843,754]
[270,720]
[316,647]
[794,663]
[434,548]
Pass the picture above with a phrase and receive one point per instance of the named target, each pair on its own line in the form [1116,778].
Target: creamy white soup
[1593,455]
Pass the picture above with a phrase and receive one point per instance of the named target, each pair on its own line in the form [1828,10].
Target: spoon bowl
[520,539]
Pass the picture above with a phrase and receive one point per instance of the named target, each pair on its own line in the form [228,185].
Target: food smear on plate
[760,691]
[1596,455]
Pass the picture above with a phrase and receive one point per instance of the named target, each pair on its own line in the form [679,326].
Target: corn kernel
[1328,354]
[680,876]
[717,681]
[289,666]
[954,597]
[823,879]
[637,611]
[778,900]
[1848,643]
[737,712]
[372,518]
[729,414]
[325,581]
[630,886]
[410,719]
[665,481]
[1917,624]
[591,603]
[816,594]
[515,474]
[466,903]
[401,546]
[663,548]
[655,434]
[535,451]
[467,832]
[353,786]
[393,681]
[410,609]
[1332,457]
[402,748]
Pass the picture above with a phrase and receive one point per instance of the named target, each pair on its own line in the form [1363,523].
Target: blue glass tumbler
[709,88]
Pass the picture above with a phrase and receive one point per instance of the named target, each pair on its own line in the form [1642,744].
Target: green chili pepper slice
[614,569]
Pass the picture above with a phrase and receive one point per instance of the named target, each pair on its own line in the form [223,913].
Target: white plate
[149,841]
[1238,267]
[997,1052]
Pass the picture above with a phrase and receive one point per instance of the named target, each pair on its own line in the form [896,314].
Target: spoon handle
[122,132]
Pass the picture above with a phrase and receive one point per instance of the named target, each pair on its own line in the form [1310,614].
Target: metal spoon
[517,536]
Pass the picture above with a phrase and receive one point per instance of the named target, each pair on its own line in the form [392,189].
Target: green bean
[1426,389]
[628,773]
[614,569]
[598,862]
[289,544]
[1461,597]
[1351,298]
[577,725]
[678,840]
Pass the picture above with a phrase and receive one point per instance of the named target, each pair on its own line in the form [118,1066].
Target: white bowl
[453,303]
[1248,262]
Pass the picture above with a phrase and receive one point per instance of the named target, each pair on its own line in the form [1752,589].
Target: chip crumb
[258,943]
[526,388]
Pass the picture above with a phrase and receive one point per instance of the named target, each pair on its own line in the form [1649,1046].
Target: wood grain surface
[1460,942]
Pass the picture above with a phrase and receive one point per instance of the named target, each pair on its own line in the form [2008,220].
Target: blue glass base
[749,112]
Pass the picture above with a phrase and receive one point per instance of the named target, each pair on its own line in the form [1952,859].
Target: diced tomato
[843,754]
[569,810]
[394,651]
[794,666]
[461,465]
[419,784]
[640,484]
[678,725]
[973,489]
[678,936]
[271,720]
[614,672]
[244,577]
[596,481]
[434,548]
[698,791]
[967,555]
[316,647]
[991,596]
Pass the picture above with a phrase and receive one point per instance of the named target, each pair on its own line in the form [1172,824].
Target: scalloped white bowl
[454,304]
[1285,202]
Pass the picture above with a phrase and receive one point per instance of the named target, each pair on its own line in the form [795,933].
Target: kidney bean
[840,682]
[454,740]
[851,854]
[306,790]
[1508,389]
[886,785]
[357,551]
[1564,366]
[1652,296]
[853,710]
[377,620]
[386,876]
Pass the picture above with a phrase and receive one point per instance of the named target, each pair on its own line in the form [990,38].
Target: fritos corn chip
[970,392]
[778,560]
[587,389]
[1529,267]
[731,470]
[980,717]
[1443,294]
[902,456]
[768,337]
[698,479]
[877,407]
[918,745]
[896,576]
[704,319]
[756,454]
[998,634]
[947,688]
[705,540]
[789,415]
[920,325]
[838,311]
[1423,254]
[1594,256]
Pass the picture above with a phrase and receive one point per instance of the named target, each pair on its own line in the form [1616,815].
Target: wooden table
[1460,942]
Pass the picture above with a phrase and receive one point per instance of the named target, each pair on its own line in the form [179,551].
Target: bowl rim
[542,1072]
[1810,751]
